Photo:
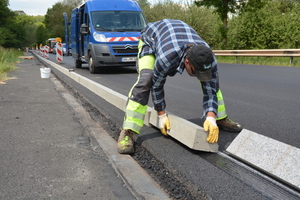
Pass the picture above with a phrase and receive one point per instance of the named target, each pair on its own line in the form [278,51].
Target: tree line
[226,24]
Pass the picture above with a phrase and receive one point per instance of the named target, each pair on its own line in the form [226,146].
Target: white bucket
[45,72]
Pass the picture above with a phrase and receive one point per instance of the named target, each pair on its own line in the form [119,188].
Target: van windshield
[118,20]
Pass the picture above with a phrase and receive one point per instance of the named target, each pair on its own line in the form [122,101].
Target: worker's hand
[211,127]
[164,124]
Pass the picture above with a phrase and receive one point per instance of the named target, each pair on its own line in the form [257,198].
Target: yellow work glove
[164,124]
[211,127]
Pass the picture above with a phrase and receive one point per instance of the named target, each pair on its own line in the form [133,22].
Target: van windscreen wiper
[102,28]
[127,29]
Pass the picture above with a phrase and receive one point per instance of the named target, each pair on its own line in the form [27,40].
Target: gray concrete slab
[274,157]
[186,132]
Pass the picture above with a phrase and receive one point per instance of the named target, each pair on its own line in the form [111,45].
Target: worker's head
[199,62]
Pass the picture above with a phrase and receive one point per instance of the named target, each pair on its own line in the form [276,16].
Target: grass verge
[275,61]
[8,59]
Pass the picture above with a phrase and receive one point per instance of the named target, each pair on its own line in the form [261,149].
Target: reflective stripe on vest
[135,114]
[221,106]
[132,126]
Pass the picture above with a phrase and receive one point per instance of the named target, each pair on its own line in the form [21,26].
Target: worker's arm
[210,105]
[157,90]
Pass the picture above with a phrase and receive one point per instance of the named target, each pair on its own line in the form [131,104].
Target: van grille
[125,49]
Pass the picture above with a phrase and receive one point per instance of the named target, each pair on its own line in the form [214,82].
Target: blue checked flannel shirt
[168,41]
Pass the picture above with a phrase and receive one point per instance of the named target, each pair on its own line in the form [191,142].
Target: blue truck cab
[105,33]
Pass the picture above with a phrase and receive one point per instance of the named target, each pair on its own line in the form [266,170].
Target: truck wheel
[78,63]
[92,67]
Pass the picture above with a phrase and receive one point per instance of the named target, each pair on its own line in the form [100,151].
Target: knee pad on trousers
[141,90]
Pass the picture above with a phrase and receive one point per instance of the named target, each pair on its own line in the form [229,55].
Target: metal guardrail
[260,53]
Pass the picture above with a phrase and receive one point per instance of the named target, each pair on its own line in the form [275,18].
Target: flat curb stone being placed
[188,133]
[273,157]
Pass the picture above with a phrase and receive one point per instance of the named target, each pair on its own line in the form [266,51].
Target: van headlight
[99,37]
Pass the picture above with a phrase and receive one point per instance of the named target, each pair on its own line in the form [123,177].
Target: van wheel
[78,63]
[92,67]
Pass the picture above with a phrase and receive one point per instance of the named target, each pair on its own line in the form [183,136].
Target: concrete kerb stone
[273,157]
[188,133]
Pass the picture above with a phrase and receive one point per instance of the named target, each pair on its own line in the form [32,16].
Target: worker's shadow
[115,70]
[153,133]
[157,135]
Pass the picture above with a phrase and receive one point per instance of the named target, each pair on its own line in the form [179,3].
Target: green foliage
[143,3]
[12,35]
[8,58]
[256,24]
[204,21]
[11,31]
[54,21]
[5,13]
[30,24]
[266,28]
[224,7]
[41,35]
[72,3]
[276,61]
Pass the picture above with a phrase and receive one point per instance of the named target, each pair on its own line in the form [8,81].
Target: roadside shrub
[8,59]
[203,20]
[267,28]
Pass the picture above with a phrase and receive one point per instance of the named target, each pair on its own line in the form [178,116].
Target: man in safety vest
[165,48]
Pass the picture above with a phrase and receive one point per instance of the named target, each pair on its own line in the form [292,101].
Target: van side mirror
[84,29]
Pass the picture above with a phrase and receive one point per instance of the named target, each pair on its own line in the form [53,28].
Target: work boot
[228,125]
[125,142]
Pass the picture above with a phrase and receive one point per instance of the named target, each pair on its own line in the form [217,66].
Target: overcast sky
[32,7]
[40,7]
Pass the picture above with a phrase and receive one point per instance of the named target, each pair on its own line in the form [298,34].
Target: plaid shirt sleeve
[210,89]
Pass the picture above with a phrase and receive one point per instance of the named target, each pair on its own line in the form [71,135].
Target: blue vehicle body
[99,35]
